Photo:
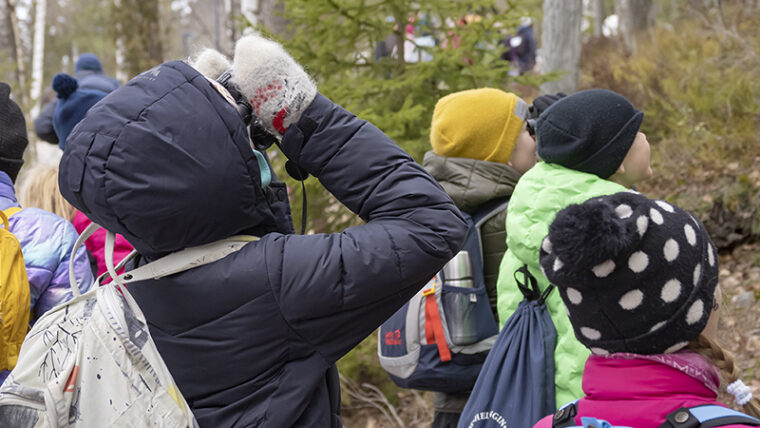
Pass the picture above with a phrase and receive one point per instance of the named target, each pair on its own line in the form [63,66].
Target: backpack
[90,362]
[15,300]
[440,338]
[702,416]
[516,385]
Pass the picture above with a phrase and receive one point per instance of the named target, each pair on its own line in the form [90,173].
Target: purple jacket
[639,391]
[46,241]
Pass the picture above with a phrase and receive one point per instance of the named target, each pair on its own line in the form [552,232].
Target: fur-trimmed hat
[589,131]
[637,275]
[481,124]
[13,138]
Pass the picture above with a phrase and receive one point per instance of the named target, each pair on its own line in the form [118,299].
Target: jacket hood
[541,193]
[165,161]
[470,183]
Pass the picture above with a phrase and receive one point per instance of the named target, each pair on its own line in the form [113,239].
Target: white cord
[741,392]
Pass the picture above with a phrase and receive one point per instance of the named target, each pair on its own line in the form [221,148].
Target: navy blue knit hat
[13,139]
[589,131]
[88,61]
[636,275]
[73,104]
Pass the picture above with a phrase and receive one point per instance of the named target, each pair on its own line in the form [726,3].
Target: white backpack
[91,362]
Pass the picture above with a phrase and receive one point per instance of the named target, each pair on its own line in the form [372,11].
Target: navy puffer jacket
[252,339]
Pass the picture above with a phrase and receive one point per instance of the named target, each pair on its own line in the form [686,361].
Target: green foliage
[696,82]
[335,41]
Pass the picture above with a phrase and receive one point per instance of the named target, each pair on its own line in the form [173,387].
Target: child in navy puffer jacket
[252,339]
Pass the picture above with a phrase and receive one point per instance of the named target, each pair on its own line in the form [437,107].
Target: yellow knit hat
[480,124]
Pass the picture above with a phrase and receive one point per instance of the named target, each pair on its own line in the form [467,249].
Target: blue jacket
[252,339]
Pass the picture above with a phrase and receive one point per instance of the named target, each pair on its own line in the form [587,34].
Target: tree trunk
[18,51]
[561,43]
[137,28]
[38,56]
[599,15]
[634,16]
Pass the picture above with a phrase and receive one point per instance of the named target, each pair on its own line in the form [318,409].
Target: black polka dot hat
[637,275]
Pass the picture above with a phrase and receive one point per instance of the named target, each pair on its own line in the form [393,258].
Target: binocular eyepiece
[261,138]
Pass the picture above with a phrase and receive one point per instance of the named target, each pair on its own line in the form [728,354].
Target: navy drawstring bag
[515,388]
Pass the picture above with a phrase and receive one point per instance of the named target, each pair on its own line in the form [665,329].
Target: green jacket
[540,194]
[471,183]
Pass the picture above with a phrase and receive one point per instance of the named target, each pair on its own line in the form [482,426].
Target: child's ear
[620,170]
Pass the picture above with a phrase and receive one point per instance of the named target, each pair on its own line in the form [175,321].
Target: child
[590,146]
[481,146]
[73,104]
[252,339]
[638,278]
[46,239]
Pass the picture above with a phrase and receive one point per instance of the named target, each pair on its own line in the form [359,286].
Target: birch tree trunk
[634,16]
[38,56]
[561,43]
[10,8]
[599,15]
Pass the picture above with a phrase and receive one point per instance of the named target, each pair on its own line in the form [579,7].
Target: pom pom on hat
[636,275]
[64,85]
[72,105]
[481,124]
[588,234]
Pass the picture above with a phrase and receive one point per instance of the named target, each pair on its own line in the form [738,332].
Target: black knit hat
[636,275]
[13,140]
[589,131]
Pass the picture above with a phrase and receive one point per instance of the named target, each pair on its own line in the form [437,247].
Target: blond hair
[40,190]
[723,360]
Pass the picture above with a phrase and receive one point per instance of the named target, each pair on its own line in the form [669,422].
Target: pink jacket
[639,391]
[97,242]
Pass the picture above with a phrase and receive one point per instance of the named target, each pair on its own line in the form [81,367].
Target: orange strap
[433,325]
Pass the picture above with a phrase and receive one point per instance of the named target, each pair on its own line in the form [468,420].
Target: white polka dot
[641,224]
[631,300]
[574,296]
[632,191]
[557,264]
[543,272]
[670,250]
[638,261]
[676,347]
[664,205]
[657,326]
[591,333]
[599,351]
[697,273]
[655,216]
[671,290]
[624,211]
[691,236]
[603,269]
[710,255]
[695,312]
[547,245]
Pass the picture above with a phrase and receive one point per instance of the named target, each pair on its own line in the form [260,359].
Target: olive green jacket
[541,193]
[471,183]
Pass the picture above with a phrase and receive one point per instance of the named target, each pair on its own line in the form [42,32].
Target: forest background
[692,66]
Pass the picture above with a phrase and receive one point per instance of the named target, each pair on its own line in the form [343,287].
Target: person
[89,74]
[639,280]
[46,239]
[590,145]
[520,49]
[252,339]
[73,103]
[480,147]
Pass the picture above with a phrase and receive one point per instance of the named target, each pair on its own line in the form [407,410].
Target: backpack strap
[170,264]
[564,417]
[433,325]
[10,211]
[707,416]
